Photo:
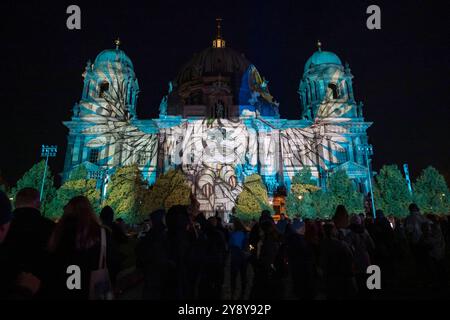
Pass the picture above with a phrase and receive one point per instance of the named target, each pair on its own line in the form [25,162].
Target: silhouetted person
[238,246]
[433,239]
[197,247]
[255,234]
[76,240]
[177,221]
[265,282]
[282,223]
[336,265]
[301,262]
[107,219]
[341,221]
[152,257]
[213,271]
[362,246]
[118,238]
[385,248]
[413,224]
[29,234]
[14,284]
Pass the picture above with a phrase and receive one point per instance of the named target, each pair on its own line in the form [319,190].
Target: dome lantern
[218,42]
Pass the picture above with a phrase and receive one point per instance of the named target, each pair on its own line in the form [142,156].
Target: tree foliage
[342,191]
[170,188]
[300,200]
[253,198]
[324,204]
[304,176]
[391,191]
[33,179]
[431,192]
[309,201]
[126,194]
[70,189]
[78,173]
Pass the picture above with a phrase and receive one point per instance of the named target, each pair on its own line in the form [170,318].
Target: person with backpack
[80,240]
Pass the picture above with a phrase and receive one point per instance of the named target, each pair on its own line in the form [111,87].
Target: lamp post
[367,149]
[105,181]
[408,180]
[47,152]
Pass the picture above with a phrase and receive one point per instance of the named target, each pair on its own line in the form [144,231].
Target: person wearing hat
[301,261]
[13,283]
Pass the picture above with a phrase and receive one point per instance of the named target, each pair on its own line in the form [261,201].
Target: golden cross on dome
[218,20]
[319,45]
[117,42]
[218,42]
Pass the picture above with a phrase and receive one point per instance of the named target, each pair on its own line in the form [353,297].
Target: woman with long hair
[76,241]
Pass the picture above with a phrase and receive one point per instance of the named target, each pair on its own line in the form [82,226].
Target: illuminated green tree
[126,194]
[342,191]
[170,188]
[72,188]
[431,192]
[391,191]
[253,198]
[33,179]
[78,173]
[300,200]
[324,204]
[304,176]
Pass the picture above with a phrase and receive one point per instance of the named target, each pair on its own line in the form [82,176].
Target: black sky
[401,71]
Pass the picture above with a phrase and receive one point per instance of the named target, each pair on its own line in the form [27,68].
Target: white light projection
[215,154]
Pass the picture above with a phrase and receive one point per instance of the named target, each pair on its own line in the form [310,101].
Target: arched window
[104,87]
[93,156]
[332,91]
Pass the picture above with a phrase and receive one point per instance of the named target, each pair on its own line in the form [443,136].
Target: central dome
[213,62]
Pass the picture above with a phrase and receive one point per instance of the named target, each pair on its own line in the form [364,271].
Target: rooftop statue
[163,106]
[163,103]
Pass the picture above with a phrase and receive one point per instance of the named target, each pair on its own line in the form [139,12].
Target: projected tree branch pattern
[215,155]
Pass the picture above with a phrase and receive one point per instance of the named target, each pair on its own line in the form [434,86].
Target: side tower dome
[111,73]
[325,89]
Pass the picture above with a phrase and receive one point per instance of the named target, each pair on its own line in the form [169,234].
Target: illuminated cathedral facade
[219,123]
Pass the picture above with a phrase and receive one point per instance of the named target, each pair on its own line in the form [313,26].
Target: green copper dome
[322,57]
[113,56]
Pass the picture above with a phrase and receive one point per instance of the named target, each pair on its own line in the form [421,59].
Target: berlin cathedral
[219,123]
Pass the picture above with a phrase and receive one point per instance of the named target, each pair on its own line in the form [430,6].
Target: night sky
[401,71]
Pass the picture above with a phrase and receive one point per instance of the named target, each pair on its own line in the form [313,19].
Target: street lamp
[105,181]
[367,149]
[47,152]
